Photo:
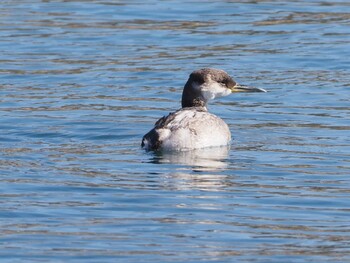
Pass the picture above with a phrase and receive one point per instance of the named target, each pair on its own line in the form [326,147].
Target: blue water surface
[82,81]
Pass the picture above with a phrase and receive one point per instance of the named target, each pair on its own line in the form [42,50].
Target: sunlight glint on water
[82,81]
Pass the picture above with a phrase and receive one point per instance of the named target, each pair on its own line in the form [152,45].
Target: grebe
[192,126]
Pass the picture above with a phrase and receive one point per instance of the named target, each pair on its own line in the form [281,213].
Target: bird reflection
[206,159]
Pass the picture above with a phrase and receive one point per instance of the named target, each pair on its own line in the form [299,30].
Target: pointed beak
[243,88]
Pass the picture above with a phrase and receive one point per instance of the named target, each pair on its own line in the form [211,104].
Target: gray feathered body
[186,129]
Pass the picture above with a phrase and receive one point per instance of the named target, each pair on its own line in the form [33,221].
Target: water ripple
[82,81]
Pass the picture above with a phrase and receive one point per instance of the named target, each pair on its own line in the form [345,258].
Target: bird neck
[192,97]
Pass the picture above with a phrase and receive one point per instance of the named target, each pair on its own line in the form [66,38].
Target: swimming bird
[192,126]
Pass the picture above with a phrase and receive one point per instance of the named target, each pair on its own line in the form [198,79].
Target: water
[82,81]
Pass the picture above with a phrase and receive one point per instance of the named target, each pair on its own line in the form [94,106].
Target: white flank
[193,129]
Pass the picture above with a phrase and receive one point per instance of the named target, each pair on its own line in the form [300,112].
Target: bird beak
[243,88]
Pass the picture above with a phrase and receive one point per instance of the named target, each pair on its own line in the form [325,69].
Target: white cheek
[214,90]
